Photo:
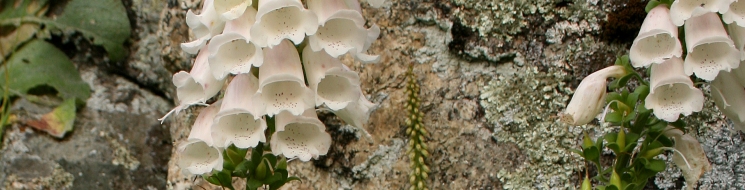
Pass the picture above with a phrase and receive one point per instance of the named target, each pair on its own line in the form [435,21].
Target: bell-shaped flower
[204,26]
[682,10]
[342,28]
[737,33]
[197,86]
[729,95]
[282,83]
[333,83]
[710,50]
[302,136]
[232,51]
[238,121]
[672,92]
[231,9]
[736,14]
[589,97]
[282,19]
[657,40]
[690,156]
[356,113]
[198,155]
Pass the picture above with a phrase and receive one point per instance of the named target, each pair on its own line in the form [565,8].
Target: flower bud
[589,98]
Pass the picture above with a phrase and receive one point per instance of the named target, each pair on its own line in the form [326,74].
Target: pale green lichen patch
[504,19]
[523,109]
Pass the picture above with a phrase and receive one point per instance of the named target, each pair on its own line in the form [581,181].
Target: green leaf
[651,5]
[39,63]
[591,153]
[614,117]
[293,178]
[279,175]
[272,159]
[235,155]
[222,179]
[282,164]
[242,169]
[103,22]
[620,82]
[262,170]
[655,165]
[253,184]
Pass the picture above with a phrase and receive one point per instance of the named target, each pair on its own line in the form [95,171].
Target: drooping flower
[197,86]
[232,51]
[281,83]
[277,20]
[342,28]
[710,49]
[672,92]
[231,9]
[589,97]
[356,113]
[682,10]
[302,136]
[333,83]
[205,25]
[736,14]
[198,155]
[737,33]
[690,157]
[657,40]
[729,96]
[239,122]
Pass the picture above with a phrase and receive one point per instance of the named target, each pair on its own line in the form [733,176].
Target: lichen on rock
[523,109]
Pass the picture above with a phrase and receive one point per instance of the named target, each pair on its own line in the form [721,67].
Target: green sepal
[620,82]
[651,5]
[655,165]
[256,155]
[262,170]
[222,178]
[253,184]
[591,153]
[272,159]
[278,176]
[614,117]
[241,170]
[282,164]
[235,155]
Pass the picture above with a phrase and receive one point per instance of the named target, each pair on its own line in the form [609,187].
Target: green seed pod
[615,179]
[586,184]
[621,140]
[586,141]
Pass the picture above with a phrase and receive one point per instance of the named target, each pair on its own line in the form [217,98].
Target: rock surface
[494,75]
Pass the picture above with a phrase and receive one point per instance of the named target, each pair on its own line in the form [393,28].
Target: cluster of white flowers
[258,42]
[713,53]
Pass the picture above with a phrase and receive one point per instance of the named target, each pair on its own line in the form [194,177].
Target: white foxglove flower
[197,86]
[737,33]
[589,97]
[690,157]
[204,26]
[342,28]
[302,136]
[672,92]
[282,19]
[357,113]
[710,49]
[736,13]
[333,83]
[657,40]
[232,52]
[282,83]
[198,156]
[729,96]
[682,10]
[231,9]
[238,121]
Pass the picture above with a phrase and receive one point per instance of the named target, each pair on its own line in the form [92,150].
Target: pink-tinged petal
[357,113]
[657,40]
[333,83]
[239,122]
[710,49]
[282,83]
[737,33]
[589,97]
[231,9]
[277,20]
[729,96]
[690,156]
[204,26]
[736,14]
[671,92]
[197,154]
[682,10]
[302,136]
[197,86]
